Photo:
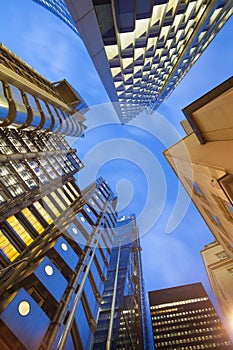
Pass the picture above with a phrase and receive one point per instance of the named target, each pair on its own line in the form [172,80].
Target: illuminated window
[24,308]
[62,194]
[73,189]
[7,248]
[20,230]
[69,192]
[58,201]
[33,221]
[10,181]
[51,206]
[43,212]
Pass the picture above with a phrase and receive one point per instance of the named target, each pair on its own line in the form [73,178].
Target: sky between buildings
[130,156]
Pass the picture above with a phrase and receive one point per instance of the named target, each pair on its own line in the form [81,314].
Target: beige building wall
[203,161]
[219,267]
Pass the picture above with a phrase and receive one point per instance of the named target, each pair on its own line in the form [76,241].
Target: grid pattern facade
[183,318]
[149,45]
[58,8]
[120,323]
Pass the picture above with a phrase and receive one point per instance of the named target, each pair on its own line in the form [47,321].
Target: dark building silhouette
[184,318]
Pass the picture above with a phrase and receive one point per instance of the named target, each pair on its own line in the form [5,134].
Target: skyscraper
[203,163]
[55,240]
[184,318]
[59,9]
[122,320]
[142,49]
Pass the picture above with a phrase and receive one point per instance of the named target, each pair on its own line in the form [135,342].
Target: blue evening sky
[130,156]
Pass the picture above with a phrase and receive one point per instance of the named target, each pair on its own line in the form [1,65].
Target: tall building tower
[55,241]
[219,267]
[203,163]
[122,322]
[184,318]
[59,9]
[142,49]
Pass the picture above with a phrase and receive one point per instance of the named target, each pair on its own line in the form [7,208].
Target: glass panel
[43,212]
[20,230]
[7,248]
[51,206]
[33,221]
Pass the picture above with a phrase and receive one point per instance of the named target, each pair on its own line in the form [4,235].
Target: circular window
[48,270]
[74,230]
[64,247]
[82,219]
[24,308]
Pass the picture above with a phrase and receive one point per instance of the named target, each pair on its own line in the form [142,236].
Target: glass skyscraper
[142,49]
[122,320]
[59,9]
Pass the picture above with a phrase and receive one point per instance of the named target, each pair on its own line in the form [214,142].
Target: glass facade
[59,9]
[120,323]
[149,45]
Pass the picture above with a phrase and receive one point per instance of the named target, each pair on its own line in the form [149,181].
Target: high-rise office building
[184,318]
[142,49]
[55,240]
[122,320]
[219,267]
[203,162]
[59,8]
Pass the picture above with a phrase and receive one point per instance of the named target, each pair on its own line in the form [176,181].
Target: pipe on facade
[30,155]
[65,334]
[108,343]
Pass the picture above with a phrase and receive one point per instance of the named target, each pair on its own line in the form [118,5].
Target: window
[10,181]
[226,207]
[32,220]
[7,248]
[43,212]
[19,229]
[197,189]
[213,218]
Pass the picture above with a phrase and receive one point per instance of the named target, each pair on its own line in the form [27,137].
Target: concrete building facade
[219,267]
[203,160]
